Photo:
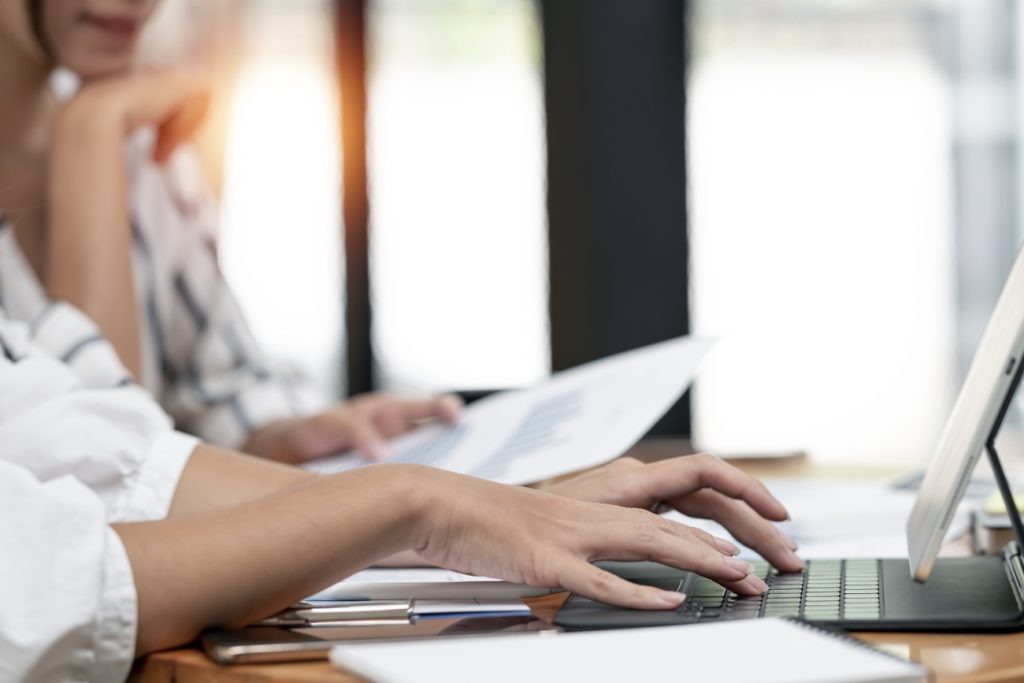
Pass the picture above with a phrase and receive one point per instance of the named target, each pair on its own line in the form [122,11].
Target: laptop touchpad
[958,588]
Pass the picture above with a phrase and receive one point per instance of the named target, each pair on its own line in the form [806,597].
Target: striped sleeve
[217,382]
[56,327]
[71,337]
[225,385]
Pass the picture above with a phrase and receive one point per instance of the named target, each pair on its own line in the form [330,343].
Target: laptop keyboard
[827,590]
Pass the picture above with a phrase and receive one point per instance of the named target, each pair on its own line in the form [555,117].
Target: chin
[97,66]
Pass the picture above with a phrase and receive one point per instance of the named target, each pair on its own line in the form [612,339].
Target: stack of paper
[753,651]
[577,419]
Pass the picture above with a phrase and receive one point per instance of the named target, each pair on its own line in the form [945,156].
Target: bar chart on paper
[578,418]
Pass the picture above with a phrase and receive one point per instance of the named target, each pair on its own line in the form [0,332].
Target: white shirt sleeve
[117,442]
[69,606]
[73,460]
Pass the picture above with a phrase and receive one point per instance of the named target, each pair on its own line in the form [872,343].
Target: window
[456,180]
[272,150]
[821,158]
[281,239]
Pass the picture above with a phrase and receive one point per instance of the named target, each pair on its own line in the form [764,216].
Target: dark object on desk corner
[989,533]
[469,396]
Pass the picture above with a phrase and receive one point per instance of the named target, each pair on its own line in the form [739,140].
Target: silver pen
[335,614]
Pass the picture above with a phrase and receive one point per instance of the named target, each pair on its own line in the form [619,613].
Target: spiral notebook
[753,651]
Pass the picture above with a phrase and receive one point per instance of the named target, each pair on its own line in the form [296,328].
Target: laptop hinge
[1014,566]
[1002,483]
[1011,553]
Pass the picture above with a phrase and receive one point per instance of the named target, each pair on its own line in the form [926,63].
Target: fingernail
[758,584]
[726,547]
[377,451]
[672,599]
[796,558]
[739,565]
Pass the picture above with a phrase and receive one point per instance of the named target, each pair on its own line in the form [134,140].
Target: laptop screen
[969,425]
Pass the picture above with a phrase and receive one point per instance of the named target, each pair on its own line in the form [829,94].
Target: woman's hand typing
[700,486]
[543,539]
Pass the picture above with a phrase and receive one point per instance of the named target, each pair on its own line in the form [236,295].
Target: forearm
[89,259]
[236,564]
[216,478]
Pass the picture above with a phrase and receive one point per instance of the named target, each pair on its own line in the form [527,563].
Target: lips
[120,27]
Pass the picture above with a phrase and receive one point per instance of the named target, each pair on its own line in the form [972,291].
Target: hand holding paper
[577,419]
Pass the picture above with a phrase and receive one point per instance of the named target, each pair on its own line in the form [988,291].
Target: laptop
[919,593]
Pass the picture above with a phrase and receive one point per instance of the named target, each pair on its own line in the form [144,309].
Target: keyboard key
[823,591]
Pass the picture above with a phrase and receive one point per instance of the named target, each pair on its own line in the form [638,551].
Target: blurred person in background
[102,206]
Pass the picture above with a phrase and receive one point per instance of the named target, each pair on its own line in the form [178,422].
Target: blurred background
[474,193]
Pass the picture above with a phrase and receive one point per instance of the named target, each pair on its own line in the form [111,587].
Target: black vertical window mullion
[350,61]
[615,95]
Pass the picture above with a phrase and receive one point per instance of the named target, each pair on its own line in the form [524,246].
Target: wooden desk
[954,658]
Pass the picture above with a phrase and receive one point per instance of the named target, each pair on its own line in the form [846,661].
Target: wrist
[406,497]
[89,118]
[418,494]
[275,441]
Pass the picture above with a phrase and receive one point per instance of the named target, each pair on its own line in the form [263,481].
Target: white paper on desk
[841,518]
[753,651]
[426,583]
[578,418]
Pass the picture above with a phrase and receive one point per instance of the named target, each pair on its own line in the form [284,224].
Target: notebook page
[753,651]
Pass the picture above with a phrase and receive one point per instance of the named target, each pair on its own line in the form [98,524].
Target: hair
[35,17]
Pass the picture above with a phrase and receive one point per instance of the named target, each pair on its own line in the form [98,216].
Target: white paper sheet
[577,419]
[753,651]
[424,584]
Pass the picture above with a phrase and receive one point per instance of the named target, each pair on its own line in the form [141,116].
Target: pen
[385,611]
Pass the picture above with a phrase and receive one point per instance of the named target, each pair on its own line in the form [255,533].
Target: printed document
[579,418]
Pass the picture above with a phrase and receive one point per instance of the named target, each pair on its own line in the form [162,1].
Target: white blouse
[78,451]
[199,359]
